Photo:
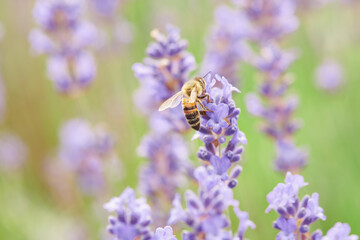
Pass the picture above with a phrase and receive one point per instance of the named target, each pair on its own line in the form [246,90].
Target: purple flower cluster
[133,216]
[161,75]
[220,126]
[295,216]
[329,76]
[340,231]
[164,174]
[106,7]
[114,29]
[133,219]
[165,233]
[65,37]
[83,149]
[289,157]
[271,21]
[263,22]
[226,44]
[205,212]
[273,62]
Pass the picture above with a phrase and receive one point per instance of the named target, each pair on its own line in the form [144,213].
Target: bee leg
[207,96]
[202,113]
[204,108]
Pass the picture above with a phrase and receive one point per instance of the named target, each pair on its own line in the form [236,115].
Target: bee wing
[171,102]
[193,95]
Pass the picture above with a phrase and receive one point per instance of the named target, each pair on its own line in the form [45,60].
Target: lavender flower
[83,70]
[204,212]
[275,109]
[83,149]
[271,19]
[64,36]
[162,74]
[115,30]
[329,76]
[340,231]
[226,44]
[13,152]
[169,162]
[165,233]
[105,7]
[133,217]
[289,157]
[220,124]
[274,19]
[295,216]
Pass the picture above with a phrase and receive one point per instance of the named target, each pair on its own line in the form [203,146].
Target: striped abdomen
[191,113]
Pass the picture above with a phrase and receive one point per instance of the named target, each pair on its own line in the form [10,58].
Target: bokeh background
[31,209]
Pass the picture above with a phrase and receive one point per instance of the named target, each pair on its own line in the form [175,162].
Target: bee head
[201,81]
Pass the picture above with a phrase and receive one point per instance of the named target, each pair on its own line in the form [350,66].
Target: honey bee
[191,94]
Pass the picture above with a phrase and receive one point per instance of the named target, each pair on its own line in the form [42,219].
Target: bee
[191,94]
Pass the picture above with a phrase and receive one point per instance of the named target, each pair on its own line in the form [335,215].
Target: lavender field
[263,144]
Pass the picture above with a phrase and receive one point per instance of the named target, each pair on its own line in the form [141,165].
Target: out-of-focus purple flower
[57,13]
[13,152]
[204,212]
[83,149]
[295,216]
[61,27]
[63,70]
[65,36]
[133,217]
[163,72]
[274,107]
[329,76]
[289,157]
[105,7]
[226,44]
[340,231]
[274,62]
[114,29]
[169,162]
[165,233]
[218,125]
[271,19]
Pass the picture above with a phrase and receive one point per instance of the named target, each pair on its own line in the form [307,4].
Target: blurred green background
[35,111]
